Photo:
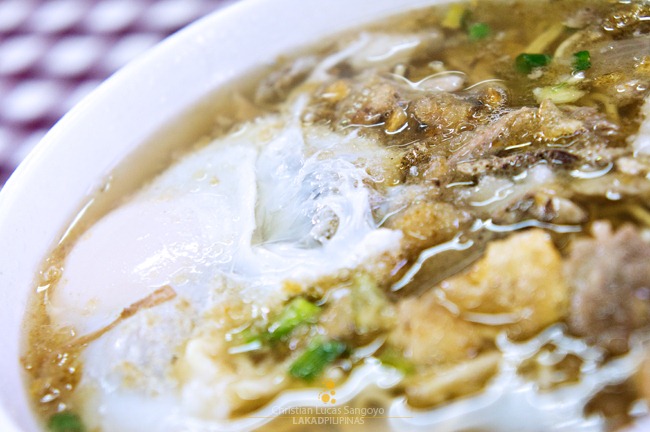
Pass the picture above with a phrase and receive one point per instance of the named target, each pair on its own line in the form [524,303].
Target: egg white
[234,219]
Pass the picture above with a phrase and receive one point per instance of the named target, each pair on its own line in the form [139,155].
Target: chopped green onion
[558,94]
[65,421]
[390,357]
[299,311]
[253,345]
[478,31]
[314,360]
[581,60]
[525,63]
[454,18]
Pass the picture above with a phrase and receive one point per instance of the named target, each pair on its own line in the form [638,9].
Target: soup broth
[437,222]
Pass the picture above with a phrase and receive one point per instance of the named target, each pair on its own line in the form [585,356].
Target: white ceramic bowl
[46,191]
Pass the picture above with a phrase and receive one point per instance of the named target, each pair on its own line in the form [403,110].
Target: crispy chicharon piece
[448,333]
[518,284]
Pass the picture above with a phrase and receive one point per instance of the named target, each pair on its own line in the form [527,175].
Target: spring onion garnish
[314,360]
[581,60]
[296,313]
[299,311]
[392,358]
[478,31]
[525,63]
[65,421]
[454,18]
[558,94]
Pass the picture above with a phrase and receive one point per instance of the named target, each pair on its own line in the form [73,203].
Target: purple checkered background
[53,52]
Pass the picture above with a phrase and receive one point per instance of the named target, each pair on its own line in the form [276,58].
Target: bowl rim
[63,169]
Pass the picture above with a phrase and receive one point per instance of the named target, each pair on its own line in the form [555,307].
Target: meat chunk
[442,113]
[517,284]
[513,164]
[610,277]
[539,195]
[556,124]
[476,144]
[376,104]
[525,129]
[426,224]
[372,101]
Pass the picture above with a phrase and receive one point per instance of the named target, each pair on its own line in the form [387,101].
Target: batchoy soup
[438,222]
